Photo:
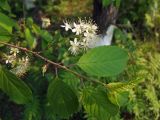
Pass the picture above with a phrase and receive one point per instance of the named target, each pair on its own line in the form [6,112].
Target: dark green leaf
[104,61]
[70,80]
[5,6]
[62,99]
[15,88]
[46,36]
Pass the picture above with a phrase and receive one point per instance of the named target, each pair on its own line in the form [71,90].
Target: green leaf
[119,35]
[62,99]
[32,110]
[46,36]
[5,36]
[104,61]
[122,86]
[5,6]
[15,88]
[97,105]
[30,38]
[6,22]
[70,80]
[119,98]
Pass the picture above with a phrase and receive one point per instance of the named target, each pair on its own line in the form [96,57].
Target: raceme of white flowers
[19,65]
[86,35]
[11,58]
[22,66]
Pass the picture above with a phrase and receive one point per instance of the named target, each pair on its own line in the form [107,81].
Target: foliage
[61,101]
[14,87]
[115,61]
[145,98]
[38,72]
[61,97]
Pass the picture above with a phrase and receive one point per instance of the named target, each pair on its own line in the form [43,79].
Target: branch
[51,62]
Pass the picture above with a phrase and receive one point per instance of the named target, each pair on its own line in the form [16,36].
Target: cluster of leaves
[145,98]
[152,19]
[59,94]
[101,90]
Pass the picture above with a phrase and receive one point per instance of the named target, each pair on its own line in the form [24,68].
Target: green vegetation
[50,68]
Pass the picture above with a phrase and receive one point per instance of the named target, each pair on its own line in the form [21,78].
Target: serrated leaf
[104,61]
[122,86]
[70,80]
[119,98]
[62,99]
[32,110]
[97,105]
[15,88]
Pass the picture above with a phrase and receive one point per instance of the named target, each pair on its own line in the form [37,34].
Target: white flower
[86,32]
[22,67]
[75,46]
[91,29]
[84,44]
[67,26]
[7,61]
[46,22]
[94,27]
[14,51]
[77,29]
[89,35]
[10,59]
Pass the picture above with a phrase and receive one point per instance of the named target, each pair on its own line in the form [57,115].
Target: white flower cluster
[85,32]
[45,22]
[12,57]
[19,65]
[22,66]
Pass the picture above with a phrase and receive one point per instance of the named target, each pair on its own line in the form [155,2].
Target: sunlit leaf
[97,105]
[104,61]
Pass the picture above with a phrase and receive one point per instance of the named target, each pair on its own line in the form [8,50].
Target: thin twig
[53,63]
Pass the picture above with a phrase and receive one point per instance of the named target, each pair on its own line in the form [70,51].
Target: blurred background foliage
[139,29]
